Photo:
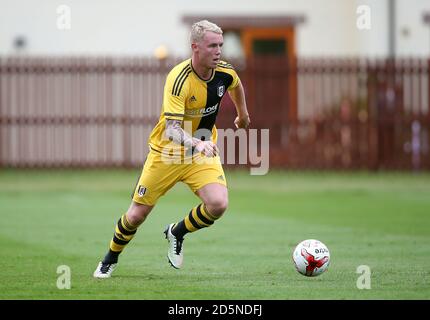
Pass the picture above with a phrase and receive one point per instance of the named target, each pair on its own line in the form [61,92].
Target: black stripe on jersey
[179,79]
[220,79]
[173,114]
[179,76]
[181,83]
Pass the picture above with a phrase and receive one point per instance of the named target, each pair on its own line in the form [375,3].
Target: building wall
[413,37]
[136,27]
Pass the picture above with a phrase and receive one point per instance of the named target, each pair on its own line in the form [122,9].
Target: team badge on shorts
[141,191]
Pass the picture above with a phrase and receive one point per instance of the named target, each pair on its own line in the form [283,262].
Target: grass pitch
[51,218]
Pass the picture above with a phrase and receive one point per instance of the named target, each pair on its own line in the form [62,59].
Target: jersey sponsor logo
[205,111]
[141,191]
[221,90]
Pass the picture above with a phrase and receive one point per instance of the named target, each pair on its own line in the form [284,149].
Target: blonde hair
[198,30]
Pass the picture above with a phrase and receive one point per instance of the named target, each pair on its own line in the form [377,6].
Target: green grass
[52,217]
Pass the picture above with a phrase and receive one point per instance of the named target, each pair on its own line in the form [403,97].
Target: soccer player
[183,146]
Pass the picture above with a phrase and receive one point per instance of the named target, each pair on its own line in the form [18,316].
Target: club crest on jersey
[141,191]
[221,91]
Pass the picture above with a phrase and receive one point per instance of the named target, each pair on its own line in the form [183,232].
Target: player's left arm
[237,95]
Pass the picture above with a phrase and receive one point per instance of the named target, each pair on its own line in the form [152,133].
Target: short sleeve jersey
[194,101]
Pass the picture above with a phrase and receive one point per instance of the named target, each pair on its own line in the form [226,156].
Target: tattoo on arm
[175,133]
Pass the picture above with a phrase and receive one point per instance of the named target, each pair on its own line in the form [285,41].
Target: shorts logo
[141,191]
[221,91]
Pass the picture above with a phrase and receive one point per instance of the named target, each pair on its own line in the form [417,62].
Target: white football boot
[175,251]
[104,270]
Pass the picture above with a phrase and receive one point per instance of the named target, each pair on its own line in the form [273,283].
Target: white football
[311,257]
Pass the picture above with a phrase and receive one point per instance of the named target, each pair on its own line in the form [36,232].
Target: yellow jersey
[194,101]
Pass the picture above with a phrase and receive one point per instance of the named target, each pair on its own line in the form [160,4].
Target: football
[311,257]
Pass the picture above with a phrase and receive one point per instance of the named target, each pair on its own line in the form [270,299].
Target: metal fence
[322,113]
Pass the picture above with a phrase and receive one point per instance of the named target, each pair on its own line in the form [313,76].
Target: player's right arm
[175,133]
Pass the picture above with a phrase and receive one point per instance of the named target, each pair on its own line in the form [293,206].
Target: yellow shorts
[158,177]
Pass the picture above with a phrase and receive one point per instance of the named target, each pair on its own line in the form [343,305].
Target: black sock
[179,230]
[111,257]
